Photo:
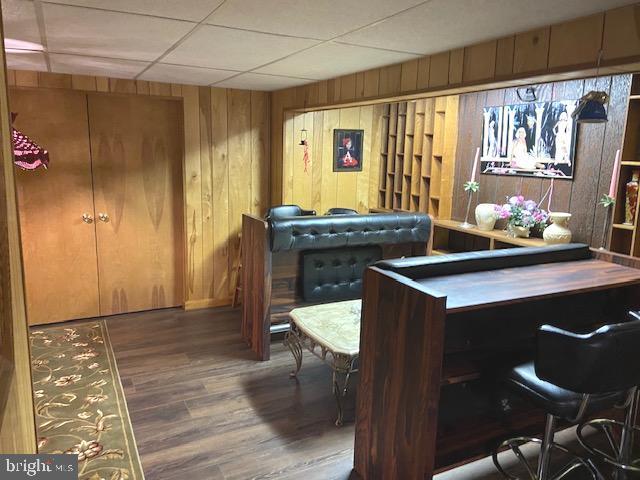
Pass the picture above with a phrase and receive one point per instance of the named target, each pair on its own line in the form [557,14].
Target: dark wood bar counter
[433,349]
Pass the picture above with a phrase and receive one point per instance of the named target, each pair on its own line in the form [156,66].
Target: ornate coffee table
[330,328]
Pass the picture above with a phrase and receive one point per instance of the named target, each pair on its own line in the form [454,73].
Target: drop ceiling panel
[227,48]
[188,75]
[323,19]
[20,25]
[26,60]
[100,33]
[333,59]
[440,25]
[61,63]
[256,81]
[193,10]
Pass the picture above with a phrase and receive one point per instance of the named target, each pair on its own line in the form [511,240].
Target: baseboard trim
[207,303]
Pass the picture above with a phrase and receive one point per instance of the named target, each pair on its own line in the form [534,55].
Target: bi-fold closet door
[102,227]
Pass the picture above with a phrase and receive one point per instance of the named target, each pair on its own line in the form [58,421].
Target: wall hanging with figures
[530,139]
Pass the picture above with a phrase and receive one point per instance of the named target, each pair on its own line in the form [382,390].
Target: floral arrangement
[522,213]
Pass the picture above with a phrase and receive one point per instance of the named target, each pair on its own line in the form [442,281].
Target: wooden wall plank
[390,79]
[531,51]
[456,65]
[480,61]
[360,85]
[316,147]
[504,56]
[84,82]
[348,87]
[220,193]
[374,157]
[239,145]
[176,90]
[371,82]
[576,43]
[160,89]
[409,76]
[621,37]
[439,71]
[102,84]
[424,64]
[121,85]
[193,192]
[54,80]
[11,77]
[26,78]
[206,189]
[301,194]
[369,158]
[329,177]
[259,152]
[142,87]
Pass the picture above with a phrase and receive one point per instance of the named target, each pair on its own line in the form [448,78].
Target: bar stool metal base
[514,445]
[620,450]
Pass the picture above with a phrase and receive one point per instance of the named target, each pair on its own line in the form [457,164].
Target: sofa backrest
[334,231]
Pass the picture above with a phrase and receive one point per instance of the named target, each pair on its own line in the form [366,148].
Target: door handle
[87,218]
[103,217]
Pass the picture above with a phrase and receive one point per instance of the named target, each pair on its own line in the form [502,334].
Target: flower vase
[518,231]
[558,231]
[486,216]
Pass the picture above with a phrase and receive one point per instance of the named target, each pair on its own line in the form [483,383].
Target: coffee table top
[334,326]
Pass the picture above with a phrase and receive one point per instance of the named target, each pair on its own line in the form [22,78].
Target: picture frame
[347,150]
[536,139]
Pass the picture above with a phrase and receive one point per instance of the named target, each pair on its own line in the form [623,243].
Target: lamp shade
[27,154]
[592,112]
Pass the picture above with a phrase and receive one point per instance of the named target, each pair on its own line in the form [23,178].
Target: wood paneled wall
[319,187]
[595,152]
[17,423]
[226,170]
[566,49]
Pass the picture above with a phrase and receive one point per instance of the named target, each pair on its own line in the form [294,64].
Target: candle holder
[608,203]
[470,188]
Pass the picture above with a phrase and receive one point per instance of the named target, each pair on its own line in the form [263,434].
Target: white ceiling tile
[333,59]
[187,75]
[193,10]
[257,81]
[26,60]
[322,19]
[226,48]
[441,25]
[100,33]
[108,67]
[20,25]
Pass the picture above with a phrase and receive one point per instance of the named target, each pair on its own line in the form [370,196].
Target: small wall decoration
[529,139]
[347,148]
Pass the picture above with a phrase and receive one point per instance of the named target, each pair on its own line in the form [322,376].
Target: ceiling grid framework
[258,44]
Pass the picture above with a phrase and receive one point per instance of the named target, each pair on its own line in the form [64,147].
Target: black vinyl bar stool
[573,376]
[619,435]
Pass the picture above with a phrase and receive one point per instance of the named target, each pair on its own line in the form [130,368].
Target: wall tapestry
[347,148]
[529,139]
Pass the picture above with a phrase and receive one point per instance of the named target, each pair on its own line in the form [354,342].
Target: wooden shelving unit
[625,238]
[417,160]
[450,237]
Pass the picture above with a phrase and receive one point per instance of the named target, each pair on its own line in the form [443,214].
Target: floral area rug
[79,401]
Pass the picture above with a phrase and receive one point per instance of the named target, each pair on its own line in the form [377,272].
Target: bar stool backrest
[284,211]
[605,360]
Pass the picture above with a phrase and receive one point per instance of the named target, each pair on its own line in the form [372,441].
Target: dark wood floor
[203,409]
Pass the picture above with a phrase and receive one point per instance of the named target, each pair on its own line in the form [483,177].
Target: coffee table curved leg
[292,341]
[342,365]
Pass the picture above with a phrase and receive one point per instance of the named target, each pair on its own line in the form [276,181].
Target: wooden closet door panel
[136,145]
[58,247]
